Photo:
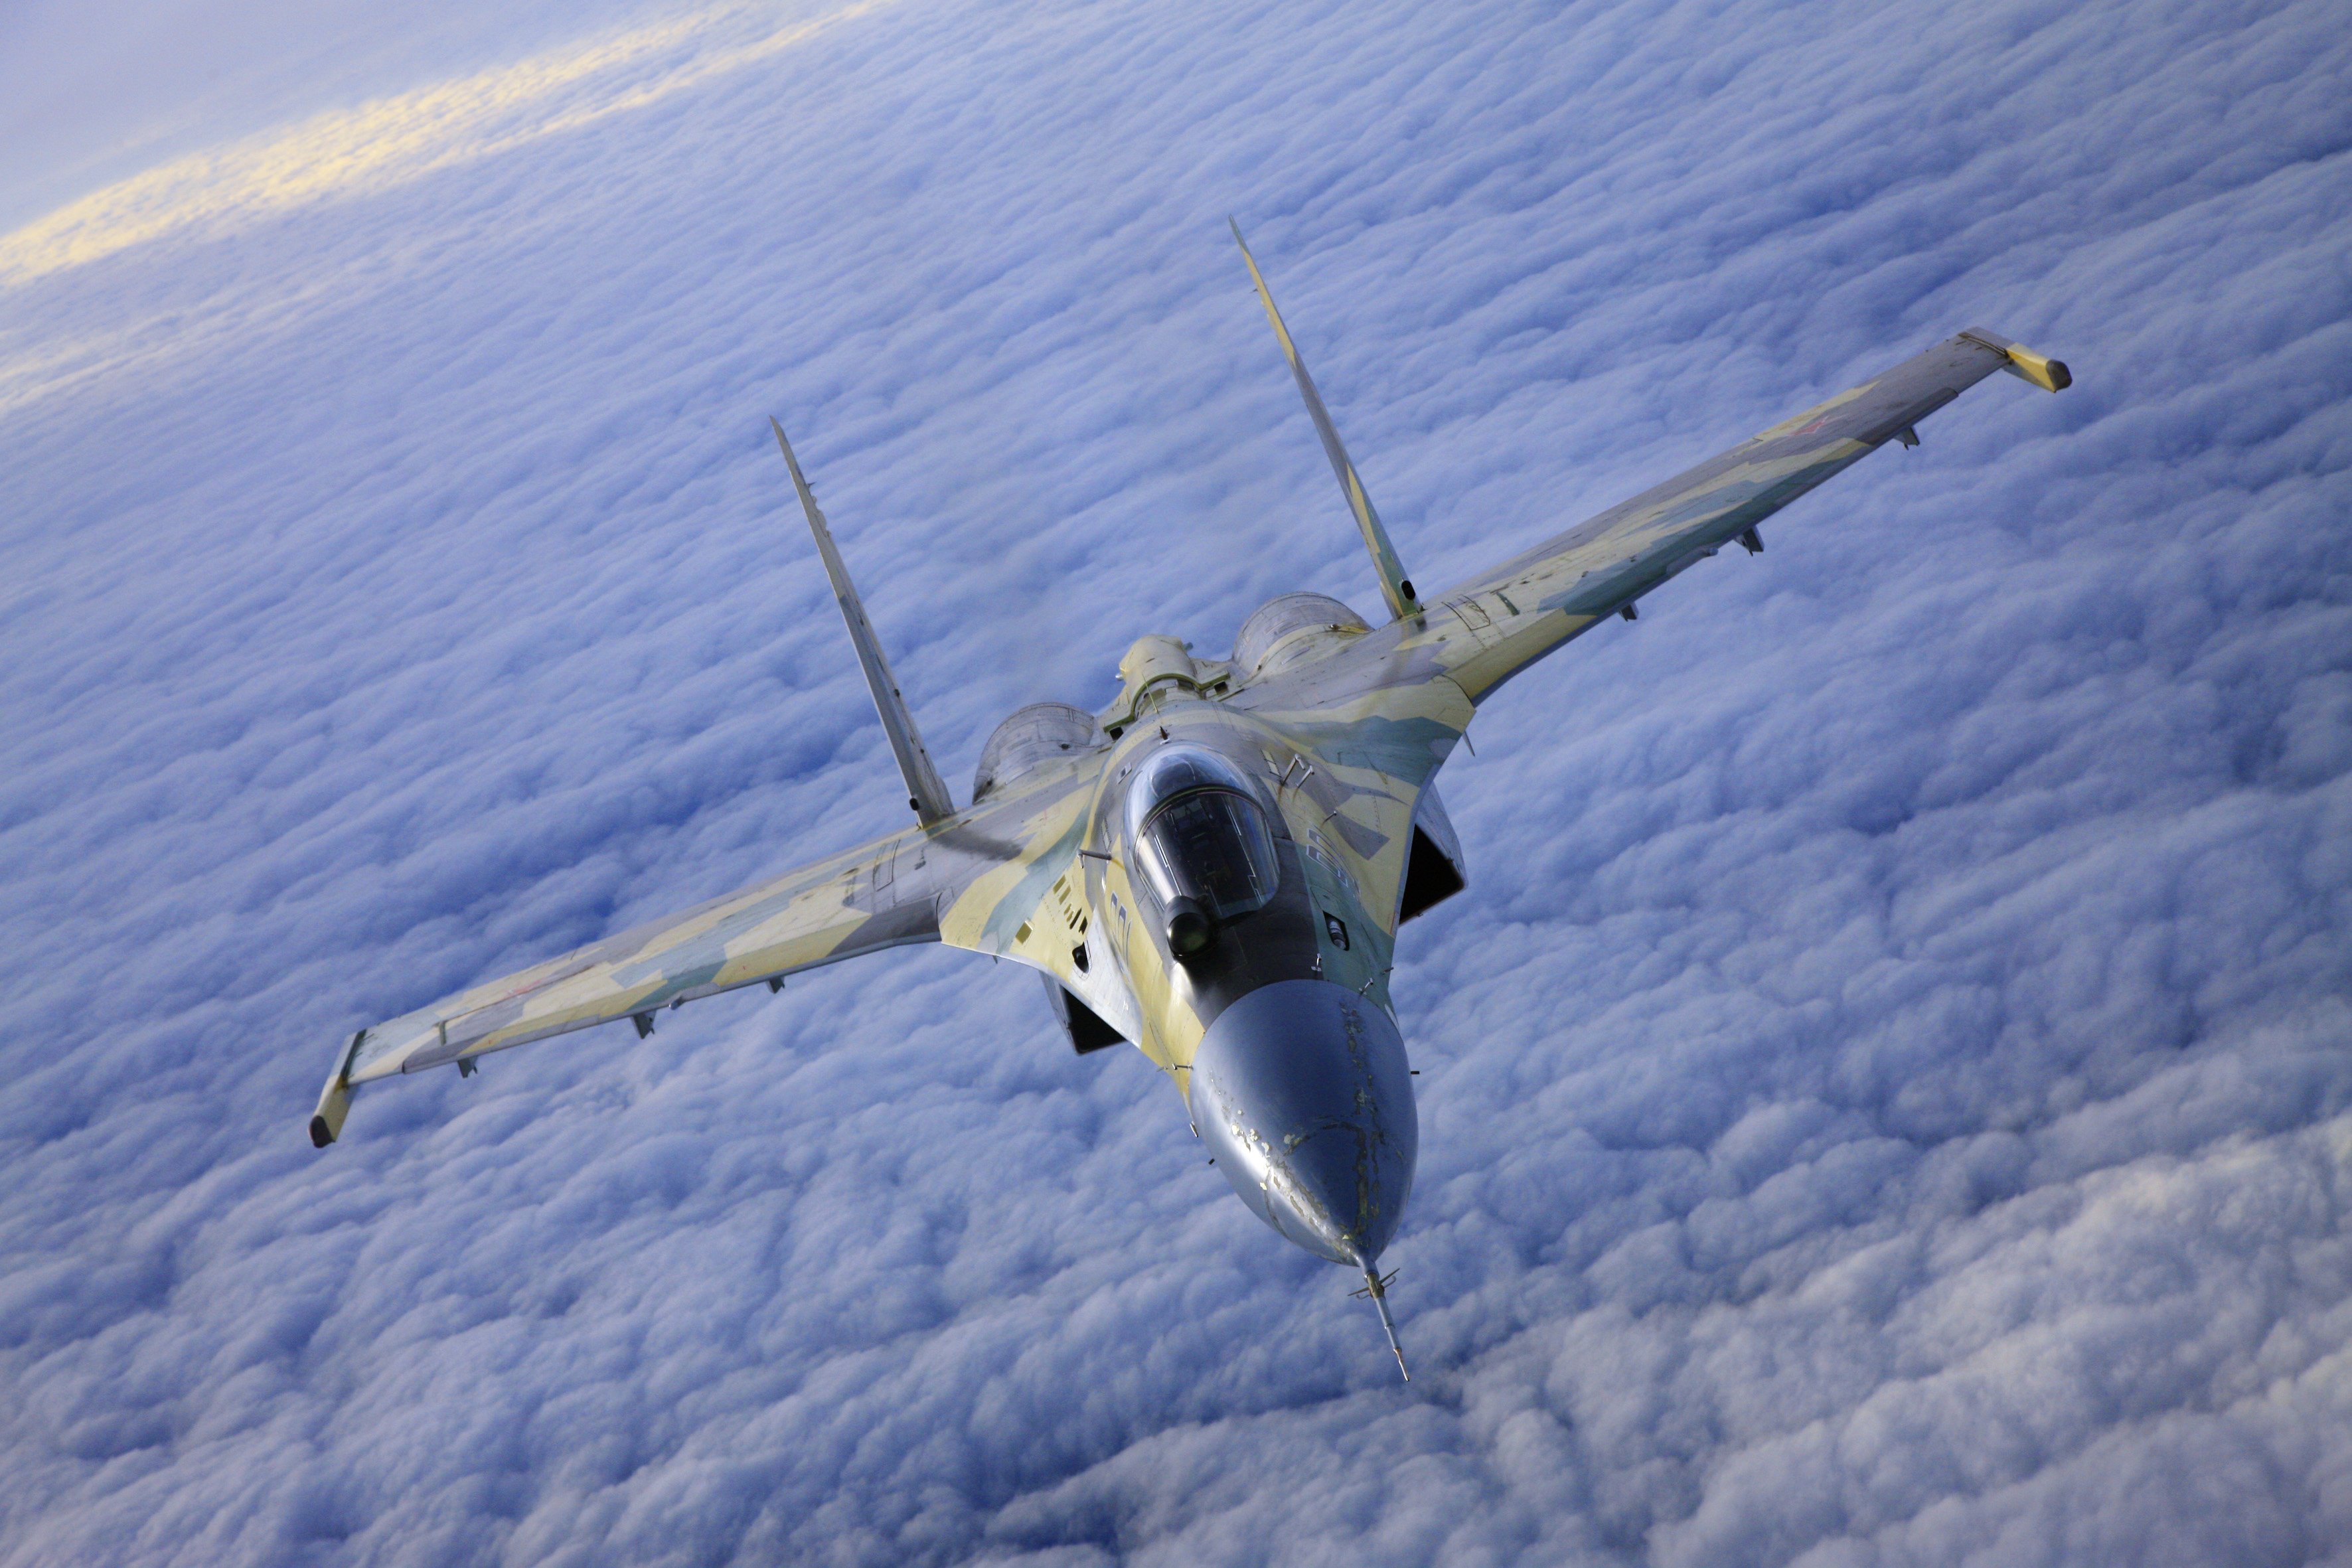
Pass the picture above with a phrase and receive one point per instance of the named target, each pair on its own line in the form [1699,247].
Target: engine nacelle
[1035,735]
[1295,629]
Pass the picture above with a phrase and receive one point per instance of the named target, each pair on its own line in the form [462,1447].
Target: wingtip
[2049,374]
[335,1099]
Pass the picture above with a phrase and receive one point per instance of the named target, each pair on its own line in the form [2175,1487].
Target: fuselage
[1276,1027]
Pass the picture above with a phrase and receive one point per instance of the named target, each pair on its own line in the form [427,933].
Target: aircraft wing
[1497,624]
[893,891]
[1384,712]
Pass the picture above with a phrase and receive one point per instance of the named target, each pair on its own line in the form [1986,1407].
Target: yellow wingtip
[2049,374]
[327,1121]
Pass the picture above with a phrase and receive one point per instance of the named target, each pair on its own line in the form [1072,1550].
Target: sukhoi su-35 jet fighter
[1214,868]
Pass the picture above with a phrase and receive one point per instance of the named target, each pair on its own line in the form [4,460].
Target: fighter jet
[1214,868]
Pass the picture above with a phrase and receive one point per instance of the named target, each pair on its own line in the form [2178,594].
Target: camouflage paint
[1343,742]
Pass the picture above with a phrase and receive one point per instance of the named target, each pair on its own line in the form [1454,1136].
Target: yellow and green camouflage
[1340,724]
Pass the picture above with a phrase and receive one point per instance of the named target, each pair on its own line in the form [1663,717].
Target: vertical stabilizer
[924,790]
[1395,586]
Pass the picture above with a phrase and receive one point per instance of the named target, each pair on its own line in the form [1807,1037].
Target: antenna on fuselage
[926,791]
[1376,1286]
[1395,586]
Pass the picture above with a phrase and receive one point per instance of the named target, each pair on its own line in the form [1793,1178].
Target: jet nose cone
[1300,1090]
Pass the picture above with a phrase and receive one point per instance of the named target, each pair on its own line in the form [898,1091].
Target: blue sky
[1885,1094]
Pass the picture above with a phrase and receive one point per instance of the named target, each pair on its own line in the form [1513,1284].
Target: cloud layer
[1885,1091]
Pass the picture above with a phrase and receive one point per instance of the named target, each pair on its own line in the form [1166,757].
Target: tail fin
[1395,586]
[924,790]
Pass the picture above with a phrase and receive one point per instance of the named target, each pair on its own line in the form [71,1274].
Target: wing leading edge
[1499,622]
[1479,633]
[1392,701]
[895,891]
[836,909]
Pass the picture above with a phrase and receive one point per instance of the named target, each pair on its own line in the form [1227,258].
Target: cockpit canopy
[1200,834]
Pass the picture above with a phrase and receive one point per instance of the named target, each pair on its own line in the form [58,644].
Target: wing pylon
[1395,586]
[927,793]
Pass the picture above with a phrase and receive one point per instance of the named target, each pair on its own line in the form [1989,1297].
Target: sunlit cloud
[390,142]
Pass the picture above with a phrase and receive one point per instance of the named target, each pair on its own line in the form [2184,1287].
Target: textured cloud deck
[1214,868]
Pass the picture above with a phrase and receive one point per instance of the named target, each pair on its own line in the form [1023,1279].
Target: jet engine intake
[1434,869]
[1082,1023]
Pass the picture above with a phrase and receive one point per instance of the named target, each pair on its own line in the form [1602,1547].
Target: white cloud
[1885,1087]
[345,155]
